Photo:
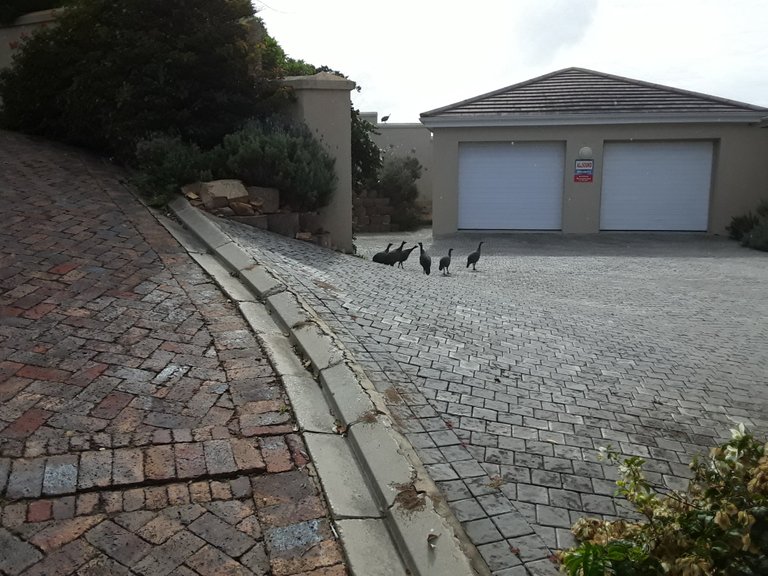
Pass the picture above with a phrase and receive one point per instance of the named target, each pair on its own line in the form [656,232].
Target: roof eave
[587,119]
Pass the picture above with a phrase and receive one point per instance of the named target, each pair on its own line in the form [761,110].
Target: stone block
[225,212]
[284,223]
[310,222]
[269,197]
[345,486]
[257,220]
[229,189]
[241,208]
[369,547]
[213,202]
[260,280]
[192,190]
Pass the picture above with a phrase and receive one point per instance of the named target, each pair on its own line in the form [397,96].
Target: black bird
[445,262]
[381,257]
[474,257]
[404,255]
[424,259]
[385,118]
[394,256]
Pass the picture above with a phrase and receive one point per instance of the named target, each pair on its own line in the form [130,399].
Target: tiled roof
[574,92]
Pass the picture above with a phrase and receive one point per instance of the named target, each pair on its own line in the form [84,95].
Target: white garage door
[504,186]
[656,186]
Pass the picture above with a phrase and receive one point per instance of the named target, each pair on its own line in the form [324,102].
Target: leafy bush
[397,181]
[273,152]
[280,154]
[718,527]
[741,226]
[751,229]
[109,74]
[758,236]
[165,163]
[366,156]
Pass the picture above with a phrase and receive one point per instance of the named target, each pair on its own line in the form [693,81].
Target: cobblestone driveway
[142,429]
[509,379]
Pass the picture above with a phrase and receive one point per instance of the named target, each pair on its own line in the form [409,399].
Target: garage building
[581,151]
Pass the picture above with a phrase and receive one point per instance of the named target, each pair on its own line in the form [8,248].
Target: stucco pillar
[323,104]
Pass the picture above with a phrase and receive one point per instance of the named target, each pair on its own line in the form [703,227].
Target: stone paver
[508,380]
[129,388]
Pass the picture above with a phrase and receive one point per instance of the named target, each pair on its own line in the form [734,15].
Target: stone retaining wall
[371,213]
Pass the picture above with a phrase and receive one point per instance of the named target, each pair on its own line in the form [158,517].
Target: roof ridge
[671,91]
[668,88]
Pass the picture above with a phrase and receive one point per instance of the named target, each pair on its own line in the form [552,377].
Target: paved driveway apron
[142,429]
[508,380]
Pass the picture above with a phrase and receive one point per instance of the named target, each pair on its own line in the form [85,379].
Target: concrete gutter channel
[390,516]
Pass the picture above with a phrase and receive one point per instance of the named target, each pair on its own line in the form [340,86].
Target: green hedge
[751,229]
[280,154]
[272,152]
[397,181]
[110,74]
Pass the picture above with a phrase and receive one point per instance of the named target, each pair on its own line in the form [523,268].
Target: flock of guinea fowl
[398,256]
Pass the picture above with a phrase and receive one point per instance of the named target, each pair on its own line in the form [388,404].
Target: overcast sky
[411,56]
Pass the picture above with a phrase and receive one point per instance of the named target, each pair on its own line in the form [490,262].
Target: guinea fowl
[381,257]
[404,255]
[394,256]
[474,257]
[424,259]
[445,262]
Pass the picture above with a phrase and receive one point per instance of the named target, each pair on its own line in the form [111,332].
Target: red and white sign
[583,170]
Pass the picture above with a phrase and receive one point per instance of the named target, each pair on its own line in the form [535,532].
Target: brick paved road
[142,430]
[508,380]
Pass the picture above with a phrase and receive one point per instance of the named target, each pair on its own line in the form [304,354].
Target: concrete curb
[374,481]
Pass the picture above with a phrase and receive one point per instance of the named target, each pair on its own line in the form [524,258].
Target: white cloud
[413,56]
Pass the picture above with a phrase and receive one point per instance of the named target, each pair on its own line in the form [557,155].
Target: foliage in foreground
[109,74]
[751,229]
[719,527]
[170,88]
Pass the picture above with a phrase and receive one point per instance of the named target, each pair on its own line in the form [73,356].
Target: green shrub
[164,164]
[397,181]
[366,156]
[741,226]
[279,154]
[757,237]
[751,229]
[109,74]
[719,526]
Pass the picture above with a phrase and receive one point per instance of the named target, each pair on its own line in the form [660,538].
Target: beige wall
[739,178]
[25,25]
[323,103]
